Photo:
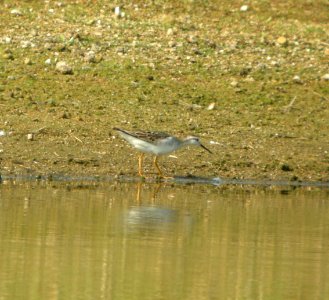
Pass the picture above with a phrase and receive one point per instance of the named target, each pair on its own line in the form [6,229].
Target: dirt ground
[251,81]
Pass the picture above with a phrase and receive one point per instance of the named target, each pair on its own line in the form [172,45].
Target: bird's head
[193,140]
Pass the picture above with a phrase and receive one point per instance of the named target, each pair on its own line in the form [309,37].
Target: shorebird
[156,143]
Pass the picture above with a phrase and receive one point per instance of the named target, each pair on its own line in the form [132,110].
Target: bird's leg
[139,187]
[155,161]
[140,165]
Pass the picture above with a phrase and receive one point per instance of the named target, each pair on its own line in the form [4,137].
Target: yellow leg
[140,165]
[138,196]
[155,161]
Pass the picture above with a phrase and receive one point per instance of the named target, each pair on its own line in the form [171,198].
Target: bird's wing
[150,136]
[147,136]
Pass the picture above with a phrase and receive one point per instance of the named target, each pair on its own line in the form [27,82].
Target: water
[133,241]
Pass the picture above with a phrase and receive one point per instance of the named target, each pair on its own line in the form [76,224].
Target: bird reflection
[154,193]
[149,217]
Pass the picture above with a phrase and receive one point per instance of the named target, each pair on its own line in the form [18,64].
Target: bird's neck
[185,143]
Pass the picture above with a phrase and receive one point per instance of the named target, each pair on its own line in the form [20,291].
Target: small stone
[90,57]
[47,46]
[211,106]
[232,45]
[118,12]
[91,22]
[7,40]
[192,39]
[64,68]
[325,77]
[275,63]
[234,83]
[8,56]
[121,50]
[30,137]
[34,32]
[86,68]
[66,115]
[286,168]
[16,12]
[48,61]
[297,79]
[250,79]
[244,8]
[170,31]
[26,44]
[172,44]
[27,61]
[282,41]
[245,70]
[212,44]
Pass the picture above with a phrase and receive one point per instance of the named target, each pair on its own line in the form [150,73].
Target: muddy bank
[251,84]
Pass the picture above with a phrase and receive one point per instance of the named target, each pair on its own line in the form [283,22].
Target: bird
[156,143]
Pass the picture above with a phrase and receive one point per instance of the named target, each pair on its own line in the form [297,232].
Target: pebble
[285,167]
[325,77]
[86,68]
[118,12]
[90,57]
[282,41]
[47,46]
[16,12]
[297,79]
[172,44]
[27,44]
[7,40]
[170,31]
[234,83]
[121,50]
[244,8]
[275,63]
[64,68]
[192,39]
[48,61]
[27,61]
[245,70]
[30,136]
[8,56]
[250,79]
[211,106]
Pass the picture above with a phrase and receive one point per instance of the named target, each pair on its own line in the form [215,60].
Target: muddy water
[130,241]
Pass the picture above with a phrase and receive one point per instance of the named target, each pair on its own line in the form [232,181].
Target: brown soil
[250,84]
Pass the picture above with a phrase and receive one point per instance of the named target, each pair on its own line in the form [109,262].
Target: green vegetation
[159,67]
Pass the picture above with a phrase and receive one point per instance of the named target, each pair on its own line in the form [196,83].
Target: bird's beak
[204,147]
